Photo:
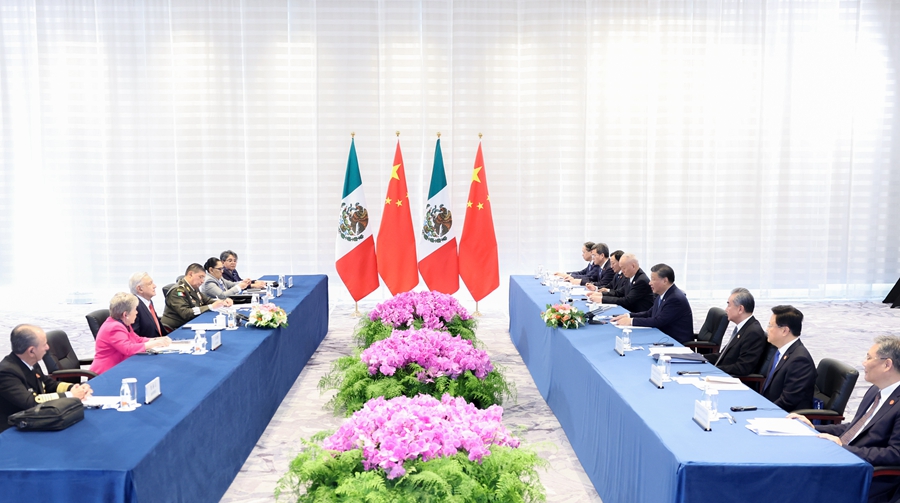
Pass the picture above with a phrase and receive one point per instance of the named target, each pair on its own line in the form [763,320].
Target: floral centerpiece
[563,316]
[267,316]
[410,362]
[434,310]
[416,449]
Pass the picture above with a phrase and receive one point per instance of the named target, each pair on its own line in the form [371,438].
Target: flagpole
[477,312]
[356,313]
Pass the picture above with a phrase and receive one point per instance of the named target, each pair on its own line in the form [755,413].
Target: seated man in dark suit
[185,301]
[671,313]
[22,383]
[791,373]
[585,254]
[874,433]
[147,323]
[637,295]
[744,352]
[602,274]
[617,282]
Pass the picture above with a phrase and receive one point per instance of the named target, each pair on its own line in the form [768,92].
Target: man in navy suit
[147,322]
[585,254]
[874,433]
[670,313]
[791,372]
[602,274]
[747,347]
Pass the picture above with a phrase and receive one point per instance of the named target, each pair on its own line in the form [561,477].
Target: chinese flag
[395,247]
[479,265]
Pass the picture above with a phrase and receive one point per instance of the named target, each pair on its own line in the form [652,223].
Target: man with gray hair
[874,433]
[147,323]
[22,383]
[745,351]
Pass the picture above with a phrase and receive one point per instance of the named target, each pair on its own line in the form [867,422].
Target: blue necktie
[772,370]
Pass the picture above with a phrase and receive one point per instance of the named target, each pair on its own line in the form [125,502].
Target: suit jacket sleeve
[669,311]
[123,342]
[638,290]
[796,388]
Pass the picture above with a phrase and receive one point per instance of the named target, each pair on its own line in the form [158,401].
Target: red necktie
[155,319]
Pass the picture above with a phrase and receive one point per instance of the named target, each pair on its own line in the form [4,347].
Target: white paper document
[779,426]
[580,290]
[720,386]
[177,346]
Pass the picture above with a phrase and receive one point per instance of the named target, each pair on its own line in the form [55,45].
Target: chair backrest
[835,383]
[166,289]
[714,326]
[62,351]
[95,319]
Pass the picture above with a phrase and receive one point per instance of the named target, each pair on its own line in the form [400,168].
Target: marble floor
[837,329]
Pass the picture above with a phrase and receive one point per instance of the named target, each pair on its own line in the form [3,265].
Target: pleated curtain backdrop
[744,143]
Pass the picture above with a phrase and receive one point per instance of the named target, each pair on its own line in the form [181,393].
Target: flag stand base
[356,313]
[477,312]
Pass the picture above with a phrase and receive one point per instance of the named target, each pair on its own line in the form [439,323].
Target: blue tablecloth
[638,443]
[189,444]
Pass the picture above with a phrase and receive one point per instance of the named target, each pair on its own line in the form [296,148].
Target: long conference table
[638,443]
[190,443]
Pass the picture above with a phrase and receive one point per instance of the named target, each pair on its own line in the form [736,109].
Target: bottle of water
[626,339]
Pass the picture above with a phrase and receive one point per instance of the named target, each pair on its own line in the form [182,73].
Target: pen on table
[689,372]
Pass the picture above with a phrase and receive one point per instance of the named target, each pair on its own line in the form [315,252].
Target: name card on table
[702,415]
[656,376]
[620,346]
[151,390]
[215,341]
[279,290]
[290,282]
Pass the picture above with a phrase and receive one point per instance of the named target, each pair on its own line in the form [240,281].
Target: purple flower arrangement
[435,309]
[390,432]
[438,353]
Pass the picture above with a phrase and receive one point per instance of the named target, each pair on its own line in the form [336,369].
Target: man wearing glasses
[874,433]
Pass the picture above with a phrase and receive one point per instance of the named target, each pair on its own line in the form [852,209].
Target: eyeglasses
[219,268]
[868,357]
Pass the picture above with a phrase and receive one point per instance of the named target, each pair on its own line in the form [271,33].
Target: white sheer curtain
[743,143]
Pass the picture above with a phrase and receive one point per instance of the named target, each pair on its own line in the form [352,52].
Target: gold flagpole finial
[439,134]
[398,134]
[479,136]
[352,134]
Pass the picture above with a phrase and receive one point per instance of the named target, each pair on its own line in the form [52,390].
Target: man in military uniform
[22,383]
[185,301]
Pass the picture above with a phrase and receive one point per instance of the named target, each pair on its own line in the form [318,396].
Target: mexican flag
[437,240]
[396,243]
[479,264]
[355,247]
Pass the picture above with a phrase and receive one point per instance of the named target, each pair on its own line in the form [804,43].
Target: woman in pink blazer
[116,341]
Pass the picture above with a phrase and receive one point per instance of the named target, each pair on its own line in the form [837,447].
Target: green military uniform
[180,304]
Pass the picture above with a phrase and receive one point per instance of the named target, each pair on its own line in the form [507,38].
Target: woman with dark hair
[215,286]
[229,259]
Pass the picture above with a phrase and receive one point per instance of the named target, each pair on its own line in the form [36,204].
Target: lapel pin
[891,402]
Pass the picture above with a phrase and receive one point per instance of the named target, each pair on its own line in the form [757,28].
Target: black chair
[62,362]
[756,380]
[834,385]
[709,338]
[95,319]
[166,289]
